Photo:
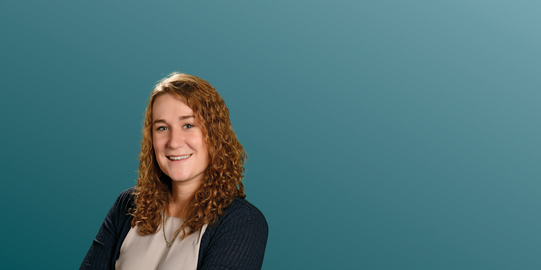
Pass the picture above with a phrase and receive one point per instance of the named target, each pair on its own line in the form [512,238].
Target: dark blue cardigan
[236,241]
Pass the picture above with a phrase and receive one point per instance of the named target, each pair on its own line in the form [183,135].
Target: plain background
[380,134]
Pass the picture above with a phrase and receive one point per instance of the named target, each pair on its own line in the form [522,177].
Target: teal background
[380,134]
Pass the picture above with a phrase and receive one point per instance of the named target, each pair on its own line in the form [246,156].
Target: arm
[239,241]
[101,252]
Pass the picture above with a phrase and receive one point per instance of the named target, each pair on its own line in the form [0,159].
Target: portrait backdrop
[380,134]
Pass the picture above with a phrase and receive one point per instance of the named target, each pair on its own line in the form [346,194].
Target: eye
[188,126]
[161,128]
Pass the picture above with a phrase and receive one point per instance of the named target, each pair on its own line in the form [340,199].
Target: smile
[175,158]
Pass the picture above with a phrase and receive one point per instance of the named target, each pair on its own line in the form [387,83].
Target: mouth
[177,158]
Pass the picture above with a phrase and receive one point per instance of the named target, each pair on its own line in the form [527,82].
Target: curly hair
[222,178]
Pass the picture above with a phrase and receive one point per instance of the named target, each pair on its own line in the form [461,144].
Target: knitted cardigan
[235,242]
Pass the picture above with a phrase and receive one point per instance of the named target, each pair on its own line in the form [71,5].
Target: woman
[187,210]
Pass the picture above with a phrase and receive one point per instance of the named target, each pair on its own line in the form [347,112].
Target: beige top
[151,251]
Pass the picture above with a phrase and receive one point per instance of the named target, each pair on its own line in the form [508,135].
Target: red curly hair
[222,178]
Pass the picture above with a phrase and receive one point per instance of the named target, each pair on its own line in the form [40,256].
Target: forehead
[167,106]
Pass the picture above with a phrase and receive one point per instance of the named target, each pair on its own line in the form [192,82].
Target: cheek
[199,143]
[203,146]
[196,140]
[203,152]
[157,144]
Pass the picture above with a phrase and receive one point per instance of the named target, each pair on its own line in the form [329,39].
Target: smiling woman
[188,209]
[178,142]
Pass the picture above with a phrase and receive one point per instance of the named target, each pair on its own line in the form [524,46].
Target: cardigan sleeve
[239,240]
[102,251]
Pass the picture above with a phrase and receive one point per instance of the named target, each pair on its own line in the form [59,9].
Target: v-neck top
[151,252]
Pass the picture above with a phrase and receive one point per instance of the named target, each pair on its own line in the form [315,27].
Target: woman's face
[178,140]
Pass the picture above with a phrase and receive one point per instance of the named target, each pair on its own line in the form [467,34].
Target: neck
[181,195]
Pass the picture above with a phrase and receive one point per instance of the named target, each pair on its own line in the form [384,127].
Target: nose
[176,139]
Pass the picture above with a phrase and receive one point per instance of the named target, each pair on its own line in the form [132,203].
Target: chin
[179,177]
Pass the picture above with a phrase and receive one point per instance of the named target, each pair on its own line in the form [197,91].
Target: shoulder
[125,201]
[127,194]
[237,240]
[242,215]
[241,208]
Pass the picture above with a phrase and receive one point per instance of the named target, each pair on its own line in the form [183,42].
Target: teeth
[179,158]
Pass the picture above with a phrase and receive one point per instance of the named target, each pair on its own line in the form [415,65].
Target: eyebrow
[184,117]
